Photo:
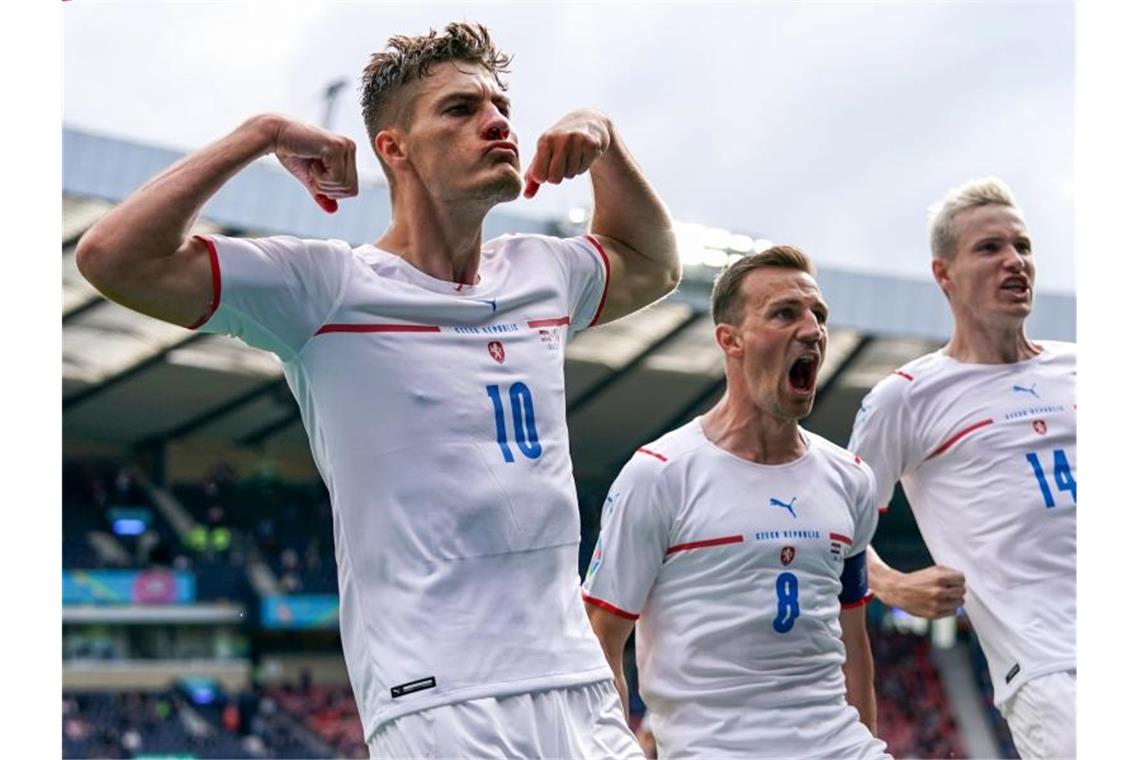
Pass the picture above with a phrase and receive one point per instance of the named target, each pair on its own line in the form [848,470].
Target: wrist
[885,584]
[263,129]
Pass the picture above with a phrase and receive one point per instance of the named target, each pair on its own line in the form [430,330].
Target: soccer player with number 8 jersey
[735,544]
[982,435]
[428,367]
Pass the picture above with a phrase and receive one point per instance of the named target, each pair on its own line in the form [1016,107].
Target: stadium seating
[914,715]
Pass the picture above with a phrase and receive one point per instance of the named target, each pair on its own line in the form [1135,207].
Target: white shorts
[1042,716]
[831,731]
[576,722]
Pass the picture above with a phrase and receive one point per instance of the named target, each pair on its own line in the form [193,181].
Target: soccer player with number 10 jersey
[428,367]
[982,435]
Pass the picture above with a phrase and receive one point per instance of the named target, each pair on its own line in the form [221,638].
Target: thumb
[531,188]
[326,203]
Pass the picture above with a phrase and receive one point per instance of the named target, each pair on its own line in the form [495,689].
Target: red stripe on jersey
[841,538]
[548,322]
[705,544]
[957,437]
[216,275]
[606,286]
[644,450]
[859,603]
[883,509]
[381,328]
[607,606]
[904,374]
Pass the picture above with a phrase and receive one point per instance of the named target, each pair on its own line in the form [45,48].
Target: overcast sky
[831,126]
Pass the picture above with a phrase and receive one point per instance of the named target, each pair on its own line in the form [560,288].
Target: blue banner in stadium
[128,587]
[299,611]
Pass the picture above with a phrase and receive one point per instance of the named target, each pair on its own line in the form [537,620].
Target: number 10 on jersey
[522,417]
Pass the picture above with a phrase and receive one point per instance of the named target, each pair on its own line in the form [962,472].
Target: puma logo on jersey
[490,301]
[774,502]
[1031,390]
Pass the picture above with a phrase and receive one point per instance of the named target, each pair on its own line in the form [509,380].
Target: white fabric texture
[436,415]
[578,722]
[987,457]
[1042,717]
[732,570]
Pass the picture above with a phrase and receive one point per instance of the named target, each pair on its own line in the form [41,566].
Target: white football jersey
[987,457]
[436,414]
[732,571]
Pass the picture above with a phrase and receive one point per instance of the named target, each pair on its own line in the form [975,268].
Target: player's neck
[982,344]
[441,241]
[749,433]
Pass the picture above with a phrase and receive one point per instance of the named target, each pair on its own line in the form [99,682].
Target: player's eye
[821,316]
[1024,247]
[460,109]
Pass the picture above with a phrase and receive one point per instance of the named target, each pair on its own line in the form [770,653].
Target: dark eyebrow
[794,301]
[471,97]
[458,97]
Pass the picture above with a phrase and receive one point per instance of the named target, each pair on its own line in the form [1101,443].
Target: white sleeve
[274,293]
[883,436]
[586,268]
[865,504]
[636,523]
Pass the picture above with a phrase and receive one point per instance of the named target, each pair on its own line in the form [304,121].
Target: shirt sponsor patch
[413,686]
[1012,674]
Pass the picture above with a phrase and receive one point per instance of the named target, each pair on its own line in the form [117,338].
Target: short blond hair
[986,191]
[726,306]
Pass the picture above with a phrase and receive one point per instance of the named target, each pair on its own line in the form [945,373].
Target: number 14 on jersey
[1062,476]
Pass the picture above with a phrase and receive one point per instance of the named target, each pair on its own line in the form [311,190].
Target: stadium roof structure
[130,382]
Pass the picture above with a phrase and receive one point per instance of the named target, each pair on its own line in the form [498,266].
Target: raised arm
[613,631]
[859,667]
[630,221]
[140,255]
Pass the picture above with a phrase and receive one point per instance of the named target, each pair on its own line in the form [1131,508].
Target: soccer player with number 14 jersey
[982,434]
[736,545]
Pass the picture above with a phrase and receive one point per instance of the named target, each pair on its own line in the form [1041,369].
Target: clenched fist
[324,162]
[568,148]
[932,592]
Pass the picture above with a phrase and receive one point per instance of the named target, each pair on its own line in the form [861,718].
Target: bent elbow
[89,257]
[673,276]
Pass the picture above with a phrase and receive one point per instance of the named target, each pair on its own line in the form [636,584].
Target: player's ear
[940,268]
[729,339]
[391,148]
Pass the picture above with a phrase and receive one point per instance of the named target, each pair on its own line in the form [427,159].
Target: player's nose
[496,126]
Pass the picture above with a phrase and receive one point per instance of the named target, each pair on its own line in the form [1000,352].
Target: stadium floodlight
[740,243]
[577,215]
[714,258]
[690,242]
[716,237]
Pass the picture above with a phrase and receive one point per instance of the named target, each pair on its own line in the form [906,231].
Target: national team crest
[1039,427]
[787,554]
[496,350]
